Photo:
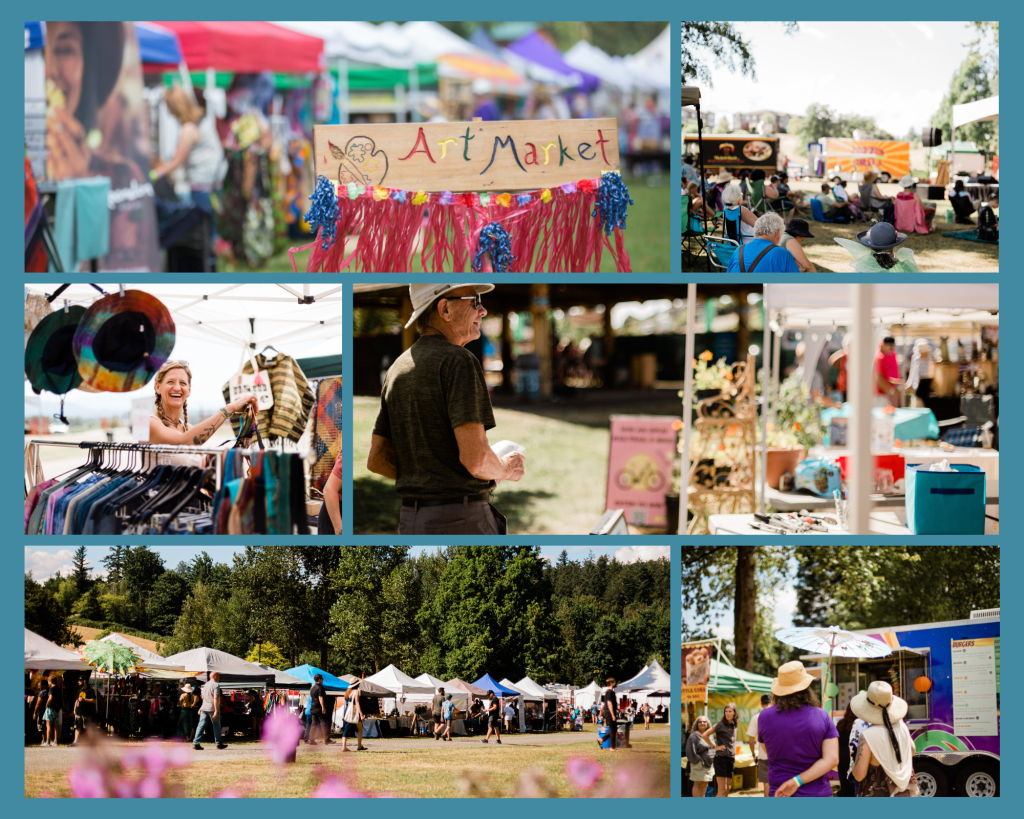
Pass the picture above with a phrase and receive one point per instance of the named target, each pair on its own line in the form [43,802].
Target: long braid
[184,408]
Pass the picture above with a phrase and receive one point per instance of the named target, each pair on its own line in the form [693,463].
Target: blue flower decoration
[399,196]
[612,202]
[494,239]
[324,211]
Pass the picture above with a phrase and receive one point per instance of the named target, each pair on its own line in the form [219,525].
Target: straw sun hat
[792,678]
[869,705]
[423,295]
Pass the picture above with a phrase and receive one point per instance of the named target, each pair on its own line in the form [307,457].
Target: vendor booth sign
[466,156]
[697,662]
[640,461]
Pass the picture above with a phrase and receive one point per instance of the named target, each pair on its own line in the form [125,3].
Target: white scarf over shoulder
[881,746]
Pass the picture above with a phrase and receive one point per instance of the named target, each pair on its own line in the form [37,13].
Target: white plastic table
[886,520]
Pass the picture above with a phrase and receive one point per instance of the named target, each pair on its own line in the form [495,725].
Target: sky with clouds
[827,62]
[45,561]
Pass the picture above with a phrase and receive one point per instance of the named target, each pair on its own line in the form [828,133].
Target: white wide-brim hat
[869,705]
[907,181]
[423,295]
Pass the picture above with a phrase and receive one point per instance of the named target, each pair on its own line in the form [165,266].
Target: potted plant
[797,428]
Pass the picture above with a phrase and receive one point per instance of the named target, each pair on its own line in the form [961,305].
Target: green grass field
[647,234]
[563,491]
[457,769]
[934,253]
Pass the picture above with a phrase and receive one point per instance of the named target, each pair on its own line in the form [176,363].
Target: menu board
[975,706]
[697,661]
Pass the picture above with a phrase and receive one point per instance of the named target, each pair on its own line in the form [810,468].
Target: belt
[465,499]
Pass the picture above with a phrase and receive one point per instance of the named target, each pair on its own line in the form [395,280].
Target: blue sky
[919,60]
[45,561]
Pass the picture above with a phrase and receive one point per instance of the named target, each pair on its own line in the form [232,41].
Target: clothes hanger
[188,497]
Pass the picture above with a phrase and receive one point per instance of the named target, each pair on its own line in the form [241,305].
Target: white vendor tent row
[652,679]
[460,698]
[41,654]
[865,309]
[586,697]
[233,314]
[534,690]
[234,671]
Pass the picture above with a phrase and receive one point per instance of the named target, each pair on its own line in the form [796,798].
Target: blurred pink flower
[155,760]
[334,788]
[87,783]
[281,733]
[151,787]
[582,772]
[134,758]
[179,756]
[123,789]
[228,793]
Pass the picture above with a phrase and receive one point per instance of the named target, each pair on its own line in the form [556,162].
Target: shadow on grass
[592,408]
[377,507]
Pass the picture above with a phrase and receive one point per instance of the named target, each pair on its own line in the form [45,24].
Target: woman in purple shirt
[801,739]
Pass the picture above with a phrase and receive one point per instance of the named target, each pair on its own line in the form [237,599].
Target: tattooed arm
[200,433]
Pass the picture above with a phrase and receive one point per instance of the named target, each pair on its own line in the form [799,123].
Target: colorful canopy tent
[282,679]
[456,684]
[653,679]
[158,45]
[202,661]
[41,654]
[149,661]
[725,679]
[246,46]
[305,674]
[530,687]
[398,682]
[488,683]
[535,49]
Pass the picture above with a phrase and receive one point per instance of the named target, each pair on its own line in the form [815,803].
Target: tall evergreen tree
[81,575]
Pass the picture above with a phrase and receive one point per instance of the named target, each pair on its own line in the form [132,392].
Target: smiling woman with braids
[169,424]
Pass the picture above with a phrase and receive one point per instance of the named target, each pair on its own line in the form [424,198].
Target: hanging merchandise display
[50,362]
[501,197]
[292,396]
[326,430]
[122,340]
[125,489]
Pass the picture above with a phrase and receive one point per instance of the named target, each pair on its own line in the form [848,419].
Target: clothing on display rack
[293,397]
[149,495]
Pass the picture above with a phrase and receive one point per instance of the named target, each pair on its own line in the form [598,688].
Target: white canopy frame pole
[860,376]
[684,461]
[765,390]
[773,407]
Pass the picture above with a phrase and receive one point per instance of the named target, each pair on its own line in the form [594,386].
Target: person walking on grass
[317,711]
[52,714]
[436,711]
[447,714]
[610,710]
[85,710]
[209,713]
[352,716]
[39,711]
[493,719]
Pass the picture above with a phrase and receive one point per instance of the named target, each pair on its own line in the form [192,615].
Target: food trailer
[841,159]
[949,675]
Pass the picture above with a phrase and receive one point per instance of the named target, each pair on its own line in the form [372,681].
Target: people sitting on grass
[834,210]
[796,197]
[871,197]
[797,232]
[776,201]
[912,215]
[763,254]
[960,200]
[842,195]
[988,221]
[732,197]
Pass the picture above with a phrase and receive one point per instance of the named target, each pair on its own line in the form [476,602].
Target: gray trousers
[466,518]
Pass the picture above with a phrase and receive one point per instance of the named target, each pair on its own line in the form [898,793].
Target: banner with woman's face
[97,124]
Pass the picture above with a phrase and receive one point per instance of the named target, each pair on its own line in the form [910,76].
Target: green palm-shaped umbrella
[111,658]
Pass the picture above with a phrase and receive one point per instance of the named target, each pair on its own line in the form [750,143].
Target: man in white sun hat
[431,431]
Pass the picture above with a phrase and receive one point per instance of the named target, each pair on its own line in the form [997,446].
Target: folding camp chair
[819,212]
[758,201]
[693,235]
[720,251]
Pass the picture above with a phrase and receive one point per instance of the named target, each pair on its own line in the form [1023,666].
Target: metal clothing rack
[169,448]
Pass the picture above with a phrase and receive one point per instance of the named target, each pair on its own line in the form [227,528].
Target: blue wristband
[799,781]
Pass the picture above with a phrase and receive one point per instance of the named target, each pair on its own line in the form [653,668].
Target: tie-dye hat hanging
[123,340]
[50,362]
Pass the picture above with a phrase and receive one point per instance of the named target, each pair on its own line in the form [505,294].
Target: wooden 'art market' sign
[467,156]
